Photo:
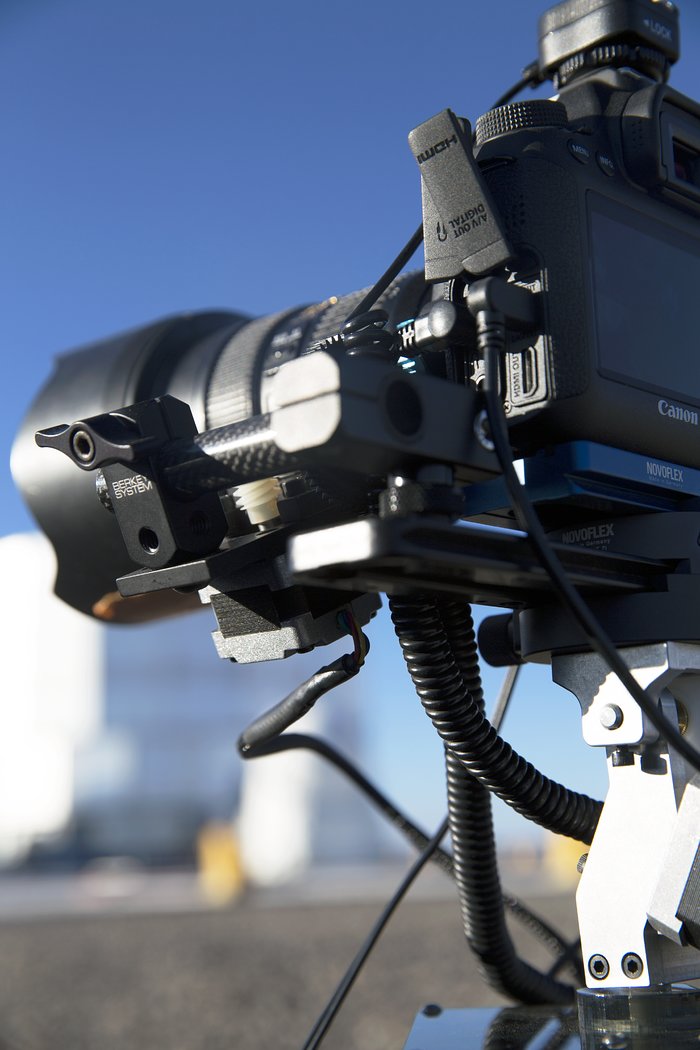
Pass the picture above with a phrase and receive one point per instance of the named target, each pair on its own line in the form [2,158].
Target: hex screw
[632,965]
[611,716]
[82,446]
[598,967]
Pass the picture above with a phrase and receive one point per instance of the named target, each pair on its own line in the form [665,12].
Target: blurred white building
[52,672]
[122,740]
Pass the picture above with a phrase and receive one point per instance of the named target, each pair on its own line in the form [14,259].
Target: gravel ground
[247,977]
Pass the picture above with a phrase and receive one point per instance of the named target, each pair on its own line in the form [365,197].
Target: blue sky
[162,156]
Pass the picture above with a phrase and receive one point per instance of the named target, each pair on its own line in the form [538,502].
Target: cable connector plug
[517,306]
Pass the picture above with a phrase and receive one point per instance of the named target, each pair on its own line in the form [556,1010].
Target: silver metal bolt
[483,431]
[632,965]
[581,863]
[611,716]
[82,446]
[598,967]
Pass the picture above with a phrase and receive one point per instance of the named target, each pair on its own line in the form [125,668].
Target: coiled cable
[468,734]
[474,848]
[370,334]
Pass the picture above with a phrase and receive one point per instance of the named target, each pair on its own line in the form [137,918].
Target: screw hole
[632,965]
[598,967]
[149,541]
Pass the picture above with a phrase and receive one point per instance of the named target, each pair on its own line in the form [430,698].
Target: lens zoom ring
[234,387]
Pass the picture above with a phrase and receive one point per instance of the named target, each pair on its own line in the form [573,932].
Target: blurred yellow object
[561,855]
[219,865]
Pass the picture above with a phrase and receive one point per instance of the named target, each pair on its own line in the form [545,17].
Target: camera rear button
[606,164]
[579,151]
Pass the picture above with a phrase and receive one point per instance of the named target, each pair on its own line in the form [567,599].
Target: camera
[602,204]
[599,198]
[288,469]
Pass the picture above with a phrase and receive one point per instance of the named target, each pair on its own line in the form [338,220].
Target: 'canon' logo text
[683,415]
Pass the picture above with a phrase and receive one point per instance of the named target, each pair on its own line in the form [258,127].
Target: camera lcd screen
[646,282]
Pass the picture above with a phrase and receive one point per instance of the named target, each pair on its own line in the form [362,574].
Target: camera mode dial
[517,116]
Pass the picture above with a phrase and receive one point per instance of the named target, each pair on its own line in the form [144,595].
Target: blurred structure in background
[122,742]
[52,674]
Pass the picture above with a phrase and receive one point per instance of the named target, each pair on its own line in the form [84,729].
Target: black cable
[467,732]
[481,899]
[572,957]
[458,624]
[531,78]
[474,844]
[326,1018]
[491,338]
[297,704]
[391,272]
[556,944]
[567,953]
[300,701]
[295,741]
[504,696]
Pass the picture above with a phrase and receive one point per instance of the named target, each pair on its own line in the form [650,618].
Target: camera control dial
[517,116]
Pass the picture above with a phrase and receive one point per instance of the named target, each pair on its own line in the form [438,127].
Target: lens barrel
[219,363]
